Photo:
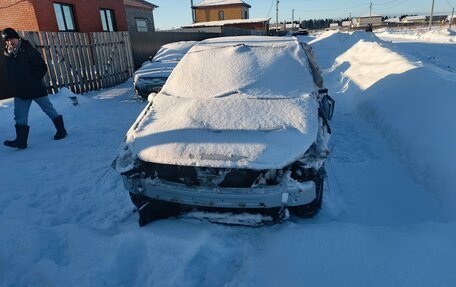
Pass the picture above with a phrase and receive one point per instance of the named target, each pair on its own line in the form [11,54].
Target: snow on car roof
[223,106]
[253,66]
[173,51]
[165,60]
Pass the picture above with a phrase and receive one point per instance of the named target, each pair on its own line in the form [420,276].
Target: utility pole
[432,13]
[277,17]
[451,19]
[292,19]
[193,11]
[370,14]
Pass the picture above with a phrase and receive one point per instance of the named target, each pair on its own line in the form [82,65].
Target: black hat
[9,33]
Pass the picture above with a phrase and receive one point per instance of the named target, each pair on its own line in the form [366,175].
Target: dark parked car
[300,33]
[153,74]
[241,126]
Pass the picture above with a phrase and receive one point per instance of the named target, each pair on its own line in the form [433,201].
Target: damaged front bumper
[285,194]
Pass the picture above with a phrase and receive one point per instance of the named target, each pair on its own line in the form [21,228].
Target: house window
[107,20]
[64,16]
[221,15]
[141,25]
[246,15]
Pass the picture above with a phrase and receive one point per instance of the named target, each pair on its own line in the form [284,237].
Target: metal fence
[232,31]
[146,44]
[83,62]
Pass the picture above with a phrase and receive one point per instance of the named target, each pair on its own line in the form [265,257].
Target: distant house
[438,18]
[219,10]
[251,24]
[363,21]
[140,16]
[346,23]
[64,15]
[226,13]
[333,25]
[414,19]
[394,20]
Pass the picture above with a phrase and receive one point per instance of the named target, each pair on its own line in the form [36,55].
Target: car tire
[152,209]
[311,209]
[140,93]
[138,200]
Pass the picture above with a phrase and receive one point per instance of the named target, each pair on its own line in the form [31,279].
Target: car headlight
[151,81]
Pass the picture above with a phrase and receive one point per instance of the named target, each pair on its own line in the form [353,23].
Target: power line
[450,4]
[385,3]
[336,9]
[270,8]
[398,4]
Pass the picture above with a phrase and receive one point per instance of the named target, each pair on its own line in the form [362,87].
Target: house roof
[415,18]
[226,22]
[369,16]
[206,3]
[140,4]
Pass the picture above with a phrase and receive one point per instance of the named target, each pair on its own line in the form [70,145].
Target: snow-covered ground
[389,213]
[436,35]
[436,47]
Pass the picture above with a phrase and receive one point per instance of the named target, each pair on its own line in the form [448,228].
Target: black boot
[22,133]
[58,123]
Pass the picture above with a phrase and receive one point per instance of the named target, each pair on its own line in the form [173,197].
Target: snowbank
[436,36]
[410,102]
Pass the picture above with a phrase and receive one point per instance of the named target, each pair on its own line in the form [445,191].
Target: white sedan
[241,126]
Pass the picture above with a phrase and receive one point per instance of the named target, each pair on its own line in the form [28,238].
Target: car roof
[254,66]
[173,51]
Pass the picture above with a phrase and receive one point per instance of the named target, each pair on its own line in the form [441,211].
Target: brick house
[219,10]
[226,13]
[140,17]
[63,15]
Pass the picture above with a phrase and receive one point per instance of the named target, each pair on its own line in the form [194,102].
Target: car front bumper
[292,194]
[144,88]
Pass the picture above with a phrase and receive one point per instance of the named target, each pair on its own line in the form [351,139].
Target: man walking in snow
[25,71]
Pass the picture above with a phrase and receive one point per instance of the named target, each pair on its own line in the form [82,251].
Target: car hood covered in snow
[253,133]
[223,106]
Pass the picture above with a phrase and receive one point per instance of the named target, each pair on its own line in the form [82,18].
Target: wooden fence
[83,62]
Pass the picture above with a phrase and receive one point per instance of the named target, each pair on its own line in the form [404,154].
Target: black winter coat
[3,91]
[25,72]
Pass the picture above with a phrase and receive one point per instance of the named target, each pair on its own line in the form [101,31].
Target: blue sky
[175,13]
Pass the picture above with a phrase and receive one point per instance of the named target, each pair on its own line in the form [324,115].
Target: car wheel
[153,209]
[309,210]
[138,200]
[141,94]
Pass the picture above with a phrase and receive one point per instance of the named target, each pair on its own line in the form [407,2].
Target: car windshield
[173,51]
[233,66]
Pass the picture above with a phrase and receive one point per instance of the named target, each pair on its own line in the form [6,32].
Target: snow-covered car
[153,74]
[241,126]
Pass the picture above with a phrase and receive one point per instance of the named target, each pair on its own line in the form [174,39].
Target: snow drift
[408,100]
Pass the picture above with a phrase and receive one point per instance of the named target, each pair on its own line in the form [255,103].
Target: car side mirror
[326,103]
